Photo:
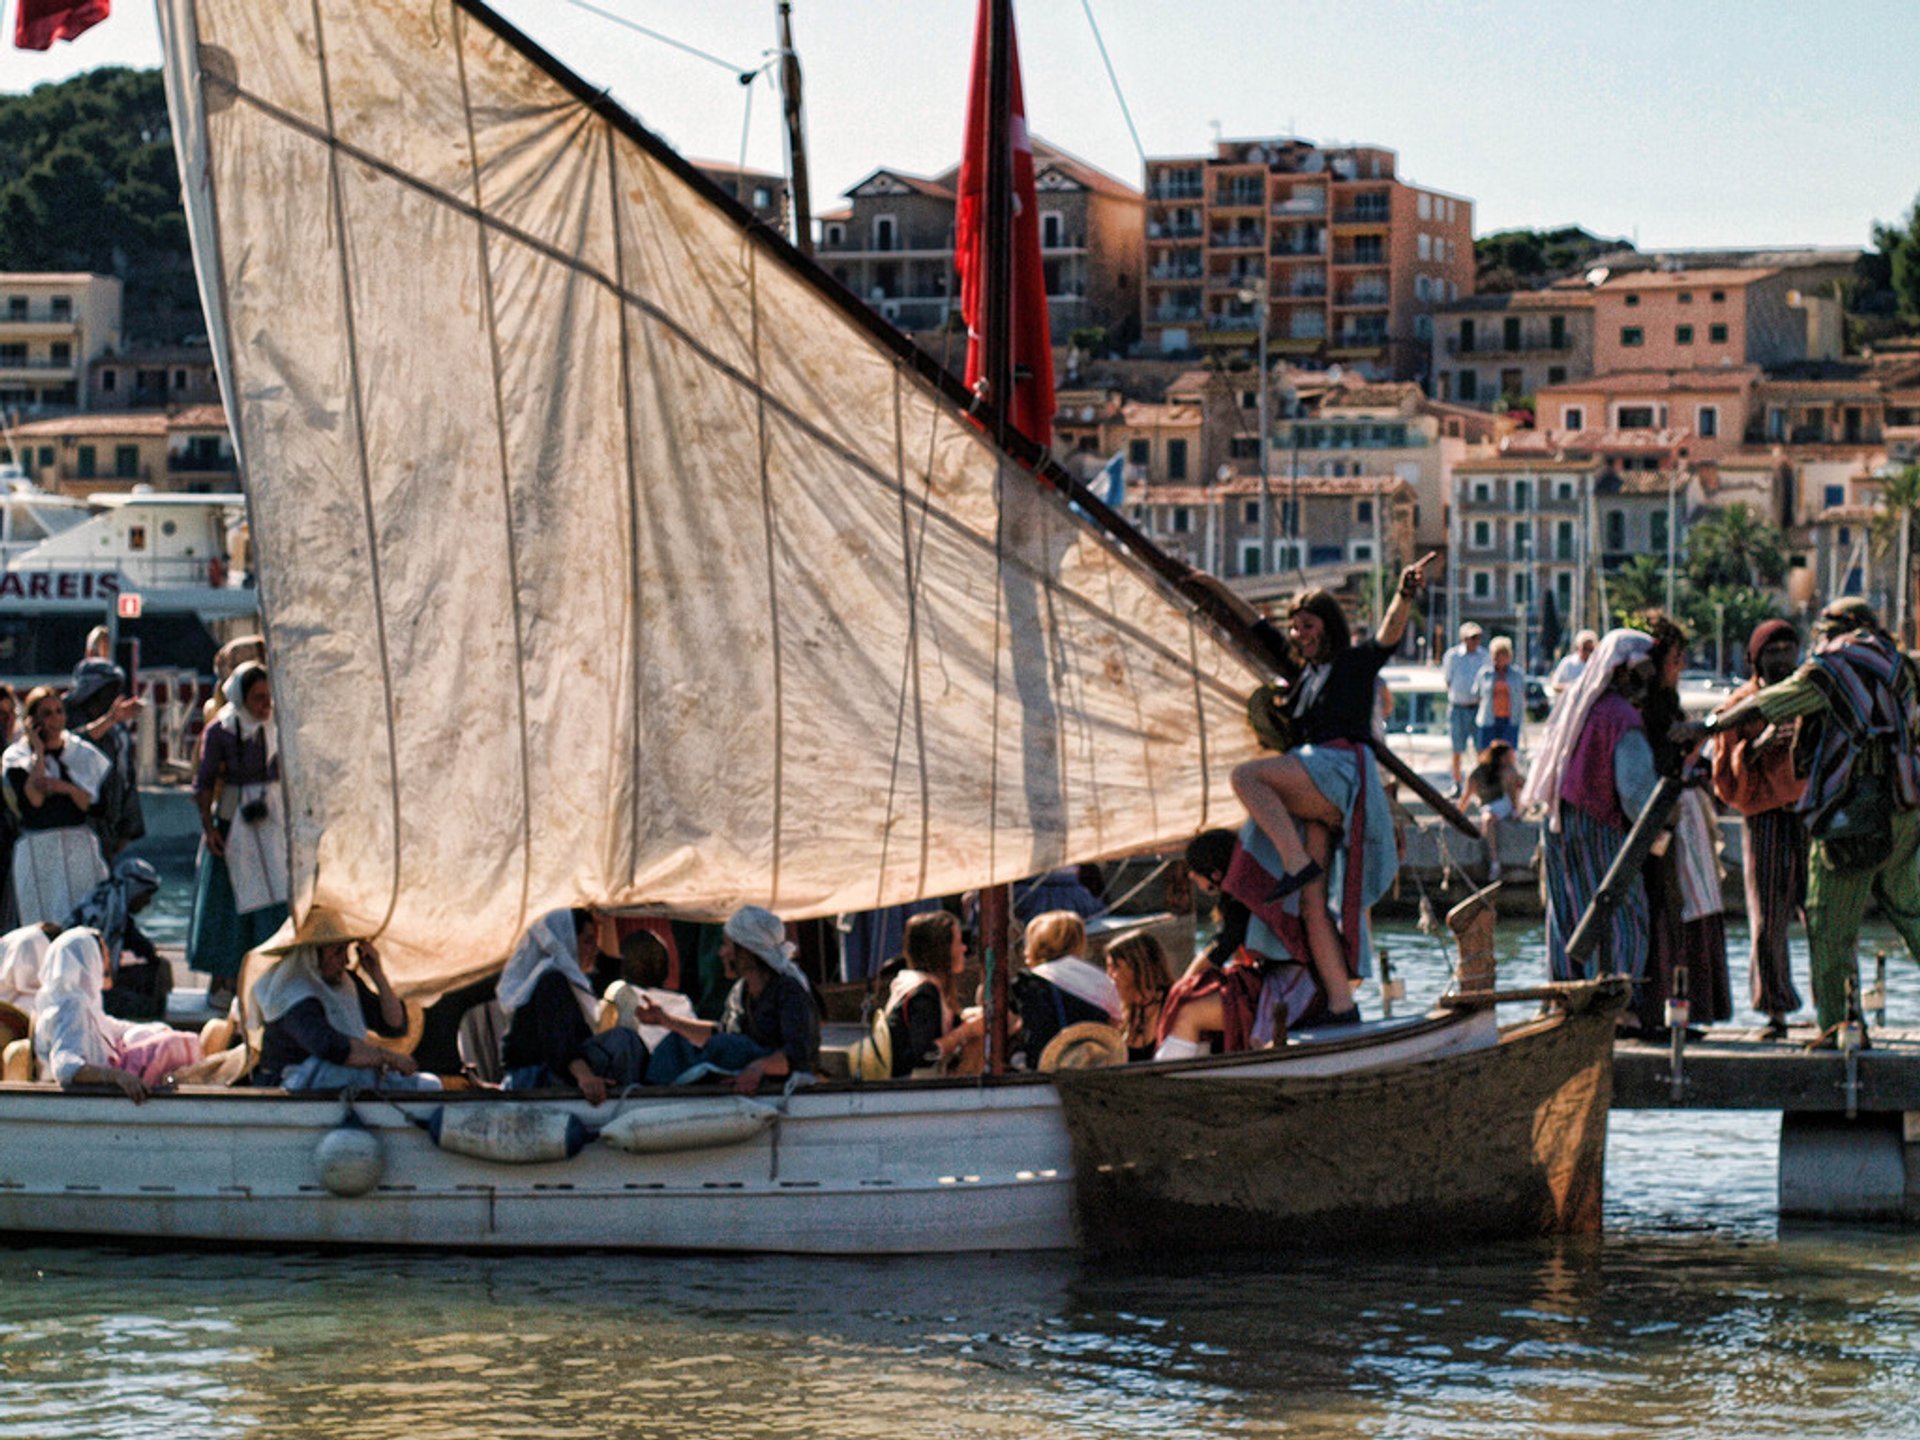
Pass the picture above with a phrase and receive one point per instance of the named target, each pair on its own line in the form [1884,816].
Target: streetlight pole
[1720,639]
[1256,294]
[1673,537]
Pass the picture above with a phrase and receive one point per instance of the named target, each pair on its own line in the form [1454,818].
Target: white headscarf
[70,1024]
[551,943]
[235,689]
[765,934]
[77,760]
[21,953]
[1569,721]
[296,977]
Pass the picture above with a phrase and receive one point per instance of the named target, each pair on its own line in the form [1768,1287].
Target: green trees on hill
[1529,259]
[87,182]
[1731,562]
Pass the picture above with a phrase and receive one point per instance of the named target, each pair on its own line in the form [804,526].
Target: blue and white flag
[1111,483]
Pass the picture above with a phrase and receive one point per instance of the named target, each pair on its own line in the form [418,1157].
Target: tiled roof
[1569,299]
[1285,487]
[1659,382]
[153,422]
[1684,279]
[1146,413]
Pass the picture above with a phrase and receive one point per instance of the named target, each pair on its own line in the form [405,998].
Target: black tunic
[1045,1010]
[1347,702]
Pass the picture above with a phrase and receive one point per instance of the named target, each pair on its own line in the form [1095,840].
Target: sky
[1675,123]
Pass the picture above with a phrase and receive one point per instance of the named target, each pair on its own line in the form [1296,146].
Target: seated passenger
[923,1020]
[1242,992]
[1062,889]
[21,954]
[1495,786]
[136,990]
[645,964]
[1138,968]
[552,1008]
[77,1043]
[316,1034]
[1059,987]
[770,1027]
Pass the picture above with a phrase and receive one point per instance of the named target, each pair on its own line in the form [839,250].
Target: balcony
[1362,215]
[36,365]
[1174,315]
[1233,320]
[1303,290]
[1177,190]
[1361,256]
[1314,202]
[1363,295]
[1298,247]
[191,464]
[1245,238]
[1234,280]
[1240,197]
[1494,345]
[1174,230]
[1176,272]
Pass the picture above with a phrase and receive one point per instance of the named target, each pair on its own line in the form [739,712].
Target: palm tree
[1735,546]
[1635,588]
[1901,492]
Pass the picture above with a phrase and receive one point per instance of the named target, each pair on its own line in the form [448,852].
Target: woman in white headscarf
[240,885]
[76,1042]
[56,777]
[553,1007]
[21,954]
[314,1014]
[770,1028]
[1593,775]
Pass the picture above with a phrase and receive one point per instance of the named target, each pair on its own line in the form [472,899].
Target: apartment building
[1722,315]
[893,246]
[1489,348]
[1329,532]
[1163,441]
[85,454]
[1707,410]
[52,327]
[154,377]
[1349,259]
[764,192]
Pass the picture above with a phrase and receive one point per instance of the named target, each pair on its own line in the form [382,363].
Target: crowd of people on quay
[1815,754]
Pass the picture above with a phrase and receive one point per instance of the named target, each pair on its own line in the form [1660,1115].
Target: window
[836,234]
[16,307]
[1182,520]
[1685,297]
[1707,421]
[1776,423]
[1522,588]
[1482,492]
[60,307]
[1290,516]
[1616,529]
[1510,332]
[1483,535]
[1362,550]
[883,232]
[1467,386]
[179,379]
[1636,417]
[1717,334]
[126,461]
[1556,374]
[1835,495]
[1719,297]
[1657,530]
[1363,512]
[1631,335]
[1563,540]
[1423,247]
[1846,536]
[1250,512]
[762,197]
[60,353]
[1557,332]
[1425,206]
[1422,289]
[1522,494]
[84,461]
[109,378]
[1051,231]
[1423,325]
[1244,447]
[1466,337]
[136,537]
[1633,299]
[1683,334]
[1482,585]
[46,457]
[1139,452]
[1573,417]
[1176,459]
[1250,558]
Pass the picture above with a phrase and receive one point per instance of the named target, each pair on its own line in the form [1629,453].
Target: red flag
[1031,409]
[41,22]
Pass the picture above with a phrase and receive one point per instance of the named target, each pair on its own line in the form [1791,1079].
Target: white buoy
[348,1158]
[508,1134]
[660,1126]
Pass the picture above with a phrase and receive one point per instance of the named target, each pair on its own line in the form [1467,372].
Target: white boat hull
[878,1169]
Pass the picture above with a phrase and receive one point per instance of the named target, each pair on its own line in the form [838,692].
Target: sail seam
[1199,725]
[355,398]
[773,578]
[506,478]
[910,673]
[633,493]
[733,373]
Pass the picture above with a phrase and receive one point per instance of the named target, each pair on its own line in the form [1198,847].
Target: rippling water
[1695,1314]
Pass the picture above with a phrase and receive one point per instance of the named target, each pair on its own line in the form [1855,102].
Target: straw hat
[1086,1046]
[321,926]
[15,1024]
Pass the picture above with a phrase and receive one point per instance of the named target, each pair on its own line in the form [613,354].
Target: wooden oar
[1624,871]
[1441,806]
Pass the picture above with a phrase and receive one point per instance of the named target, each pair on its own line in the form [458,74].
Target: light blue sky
[1686,123]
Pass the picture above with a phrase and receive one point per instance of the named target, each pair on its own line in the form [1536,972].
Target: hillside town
[1556,445]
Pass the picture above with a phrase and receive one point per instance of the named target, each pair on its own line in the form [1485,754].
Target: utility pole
[1673,534]
[796,133]
[1262,304]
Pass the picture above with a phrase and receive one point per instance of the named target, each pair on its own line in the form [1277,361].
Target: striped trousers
[1775,864]
[1837,902]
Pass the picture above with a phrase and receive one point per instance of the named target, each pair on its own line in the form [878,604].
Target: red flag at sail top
[1031,409]
[41,22]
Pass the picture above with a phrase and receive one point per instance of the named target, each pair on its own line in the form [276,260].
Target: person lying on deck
[770,1028]
[76,1042]
[553,1009]
[1059,987]
[316,1033]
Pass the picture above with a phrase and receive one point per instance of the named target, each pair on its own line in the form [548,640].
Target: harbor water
[1696,1313]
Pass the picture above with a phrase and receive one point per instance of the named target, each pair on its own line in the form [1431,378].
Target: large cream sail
[605,554]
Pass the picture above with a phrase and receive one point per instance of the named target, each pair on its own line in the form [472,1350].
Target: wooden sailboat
[611,551]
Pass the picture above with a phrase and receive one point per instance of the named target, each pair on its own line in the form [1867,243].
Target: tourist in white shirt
[1459,668]
[1574,665]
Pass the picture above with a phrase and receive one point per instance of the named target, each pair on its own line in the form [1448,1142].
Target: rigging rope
[1125,112]
[743,73]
